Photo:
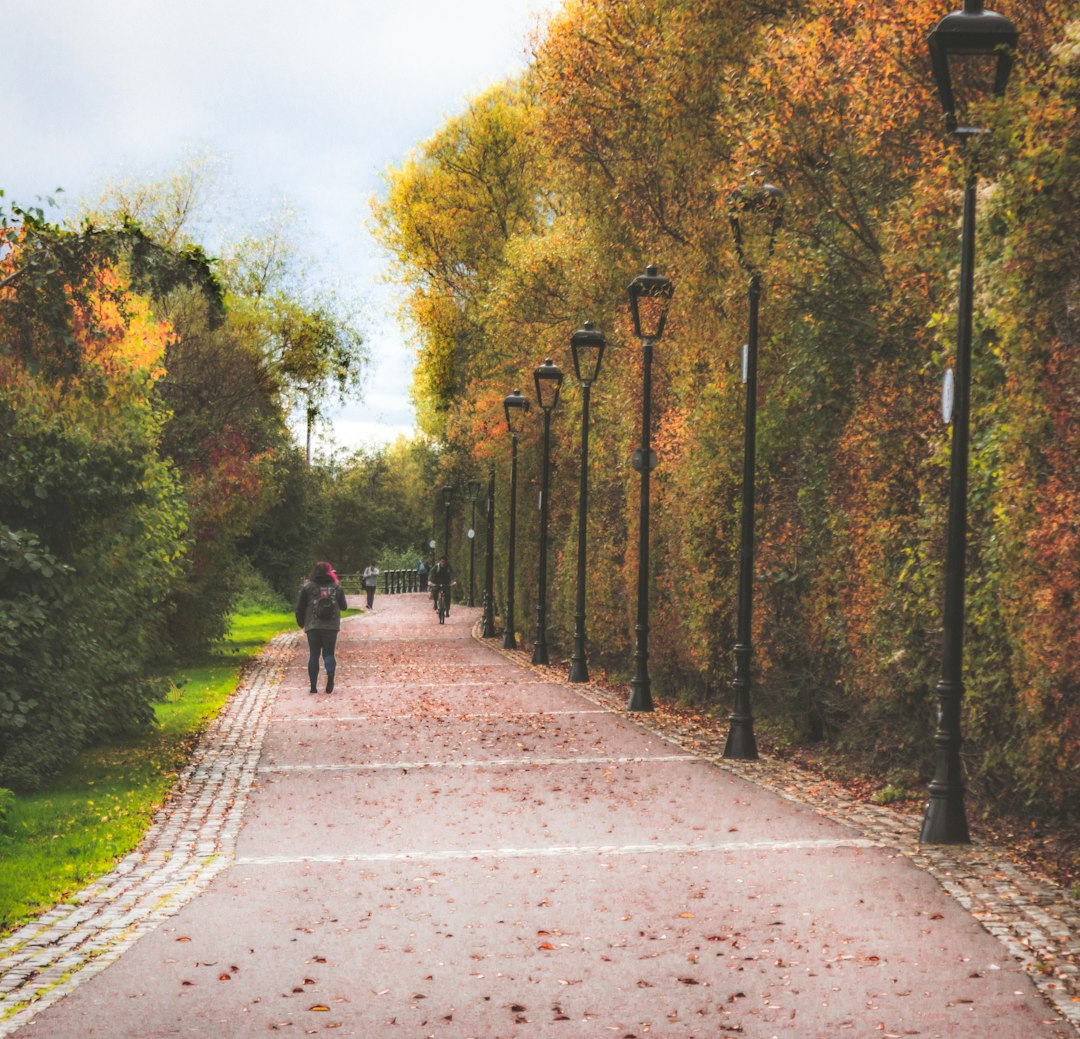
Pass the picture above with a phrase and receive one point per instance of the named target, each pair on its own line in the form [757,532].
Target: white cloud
[308,102]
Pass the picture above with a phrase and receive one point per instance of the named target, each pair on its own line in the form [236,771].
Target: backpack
[326,604]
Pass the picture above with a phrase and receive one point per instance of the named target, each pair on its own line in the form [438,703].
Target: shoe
[330,684]
[313,689]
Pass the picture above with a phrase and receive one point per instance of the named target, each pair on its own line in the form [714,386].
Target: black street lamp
[447,500]
[473,493]
[488,627]
[517,409]
[972,53]
[587,346]
[650,297]
[756,212]
[548,378]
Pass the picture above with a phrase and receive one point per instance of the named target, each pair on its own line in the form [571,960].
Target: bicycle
[442,602]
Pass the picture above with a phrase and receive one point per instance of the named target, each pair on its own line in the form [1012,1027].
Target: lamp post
[517,408]
[650,297]
[473,491]
[488,624]
[447,500]
[548,378]
[756,212]
[587,346]
[971,52]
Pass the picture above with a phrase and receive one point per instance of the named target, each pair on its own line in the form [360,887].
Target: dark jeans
[321,641]
[441,589]
[370,595]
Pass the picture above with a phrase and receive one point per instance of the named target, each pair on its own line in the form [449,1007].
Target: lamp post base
[945,821]
[579,671]
[741,745]
[540,654]
[640,695]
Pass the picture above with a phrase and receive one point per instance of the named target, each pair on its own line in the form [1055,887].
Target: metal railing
[393,582]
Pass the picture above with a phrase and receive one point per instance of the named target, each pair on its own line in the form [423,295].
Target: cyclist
[439,580]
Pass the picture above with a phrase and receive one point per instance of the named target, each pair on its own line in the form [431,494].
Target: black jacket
[305,605]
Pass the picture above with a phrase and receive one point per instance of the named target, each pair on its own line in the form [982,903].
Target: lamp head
[587,346]
[517,409]
[971,52]
[756,213]
[650,297]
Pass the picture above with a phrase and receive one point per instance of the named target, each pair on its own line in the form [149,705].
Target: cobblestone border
[1036,921]
[190,841]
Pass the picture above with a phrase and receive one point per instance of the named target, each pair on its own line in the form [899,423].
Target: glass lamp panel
[652,313]
[973,78]
[587,361]
[757,234]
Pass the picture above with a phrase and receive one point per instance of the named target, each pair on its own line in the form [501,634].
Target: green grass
[77,827]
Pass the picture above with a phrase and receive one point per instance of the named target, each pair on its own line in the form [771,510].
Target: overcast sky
[305,103]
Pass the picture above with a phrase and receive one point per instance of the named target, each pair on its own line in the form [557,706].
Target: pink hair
[324,568]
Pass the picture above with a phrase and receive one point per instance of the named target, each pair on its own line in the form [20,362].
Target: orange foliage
[117,329]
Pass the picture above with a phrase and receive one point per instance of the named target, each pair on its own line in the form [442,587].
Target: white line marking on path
[449,855]
[470,763]
[368,639]
[345,686]
[441,718]
[382,665]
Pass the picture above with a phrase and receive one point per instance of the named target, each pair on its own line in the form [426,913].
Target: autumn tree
[631,126]
[92,519]
[231,385]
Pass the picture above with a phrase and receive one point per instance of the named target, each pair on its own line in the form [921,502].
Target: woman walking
[371,582]
[318,612]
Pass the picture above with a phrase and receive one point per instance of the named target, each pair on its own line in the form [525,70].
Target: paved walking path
[457,844]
